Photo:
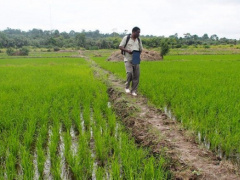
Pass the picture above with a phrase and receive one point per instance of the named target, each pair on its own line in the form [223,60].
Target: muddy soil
[152,128]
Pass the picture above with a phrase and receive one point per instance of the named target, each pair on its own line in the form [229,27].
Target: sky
[153,17]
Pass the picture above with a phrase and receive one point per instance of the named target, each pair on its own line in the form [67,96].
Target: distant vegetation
[93,40]
[21,52]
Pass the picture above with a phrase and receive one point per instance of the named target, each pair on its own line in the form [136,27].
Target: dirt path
[152,128]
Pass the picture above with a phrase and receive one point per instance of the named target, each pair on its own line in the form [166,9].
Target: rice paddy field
[201,91]
[56,122]
[56,119]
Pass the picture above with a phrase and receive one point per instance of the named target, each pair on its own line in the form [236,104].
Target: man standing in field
[128,45]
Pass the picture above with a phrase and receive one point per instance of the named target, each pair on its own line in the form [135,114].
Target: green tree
[205,37]
[214,37]
[3,40]
[52,42]
[56,33]
[164,48]
[81,39]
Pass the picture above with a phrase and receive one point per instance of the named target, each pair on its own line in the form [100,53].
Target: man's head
[136,32]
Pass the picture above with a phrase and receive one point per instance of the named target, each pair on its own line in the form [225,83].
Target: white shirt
[131,45]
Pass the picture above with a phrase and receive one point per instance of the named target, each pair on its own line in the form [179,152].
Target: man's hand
[129,51]
[126,50]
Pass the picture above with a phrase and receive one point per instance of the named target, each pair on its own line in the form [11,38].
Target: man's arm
[122,44]
[141,46]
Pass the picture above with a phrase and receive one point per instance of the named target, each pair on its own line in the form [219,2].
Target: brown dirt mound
[97,55]
[146,55]
[62,50]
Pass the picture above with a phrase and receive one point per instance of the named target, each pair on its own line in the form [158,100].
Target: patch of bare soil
[97,55]
[152,128]
[145,55]
[80,54]
[63,50]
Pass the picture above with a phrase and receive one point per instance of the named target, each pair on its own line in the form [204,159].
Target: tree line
[15,38]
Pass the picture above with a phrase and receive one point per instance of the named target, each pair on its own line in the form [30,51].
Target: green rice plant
[12,156]
[29,133]
[11,162]
[41,158]
[55,168]
[153,169]
[71,160]
[53,149]
[130,158]
[86,114]
[76,114]
[67,144]
[100,148]
[97,115]
[2,171]
[84,161]
[13,144]
[27,163]
[114,144]
[115,169]
[137,164]
[41,148]
[149,169]
[65,114]
[100,174]
[111,123]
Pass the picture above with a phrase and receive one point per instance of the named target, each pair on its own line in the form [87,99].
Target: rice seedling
[26,163]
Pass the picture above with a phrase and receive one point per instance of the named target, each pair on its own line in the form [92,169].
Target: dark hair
[135,29]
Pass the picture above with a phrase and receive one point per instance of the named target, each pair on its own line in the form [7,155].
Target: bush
[206,46]
[10,51]
[178,46]
[56,49]
[92,48]
[24,51]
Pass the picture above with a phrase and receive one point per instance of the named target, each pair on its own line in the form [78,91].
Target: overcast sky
[154,17]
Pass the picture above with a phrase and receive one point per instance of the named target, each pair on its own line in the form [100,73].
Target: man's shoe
[134,94]
[127,91]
